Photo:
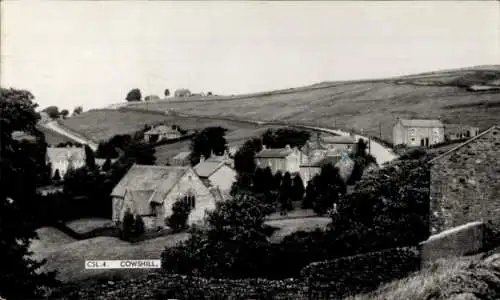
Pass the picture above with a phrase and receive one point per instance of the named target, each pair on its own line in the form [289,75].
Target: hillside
[371,106]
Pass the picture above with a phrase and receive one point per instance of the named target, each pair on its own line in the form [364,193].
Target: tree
[209,140]
[167,92]
[329,187]
[89,158]
[281,137]
[64,113]
[52,111]
[209,93]
[78,110]
[298,189]
[285,193]
[19,275]
[233,244]
[106,150]
[127,230]
[311,196]
[180,214]
[140,153]
[139,227]
[134,95]
[362,160]
[57,176]
[107,165]
[244,158]
[388,209]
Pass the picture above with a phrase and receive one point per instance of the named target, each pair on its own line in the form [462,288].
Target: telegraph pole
[380,130]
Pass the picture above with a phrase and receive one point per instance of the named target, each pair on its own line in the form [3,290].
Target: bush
[127,226]
[361,273]
[180,214]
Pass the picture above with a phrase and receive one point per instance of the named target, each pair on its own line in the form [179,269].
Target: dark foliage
[298,189]
[64,113]
[210,140]
[134,95]
[127,230]
[281,137]
[139,227]
[52,111]
[328,187]
[286,193]
[180,214]
[20,173]
[107,165]
[89,158]
[106,150]
[167,92]
[78,110]
[69,144]
[352,275]
[233,244]
[244,158]
[362,159]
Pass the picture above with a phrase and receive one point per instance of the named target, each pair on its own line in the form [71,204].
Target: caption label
[123,264]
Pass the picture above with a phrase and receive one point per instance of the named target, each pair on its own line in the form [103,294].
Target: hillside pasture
[368,106]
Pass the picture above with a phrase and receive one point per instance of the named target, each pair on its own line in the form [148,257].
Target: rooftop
[421,123]
[274,153]
[142,178]
[65,153]
[206,168]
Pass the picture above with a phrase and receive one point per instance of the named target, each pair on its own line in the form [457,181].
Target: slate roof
[274,153]
[421,123]
[463,144]
[206,168]
[142,178]
[323,161]
[65,153]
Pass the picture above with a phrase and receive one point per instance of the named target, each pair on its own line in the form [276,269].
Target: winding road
[54,126]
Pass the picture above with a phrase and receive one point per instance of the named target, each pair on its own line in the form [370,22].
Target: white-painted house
[217,171]
[150,191]
[283,159]
[64,158]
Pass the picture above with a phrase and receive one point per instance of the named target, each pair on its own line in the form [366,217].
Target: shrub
[180,214]
[127,226]
[361,273]
[139,227]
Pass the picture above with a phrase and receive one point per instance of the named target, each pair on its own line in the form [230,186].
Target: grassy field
[67,255]
[82,226]
[53,138]
[371,106]
[466,278]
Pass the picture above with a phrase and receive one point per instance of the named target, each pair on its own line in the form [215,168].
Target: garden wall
[361,273]
[466,239]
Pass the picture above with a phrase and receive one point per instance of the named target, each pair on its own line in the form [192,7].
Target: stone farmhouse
[282,159]
[418,132]
[182,93]
[343,163]
[70,157]
[150,191]
[320,146]
[217,171]
[161,133]
[181,159]
[465,183]
[64,158]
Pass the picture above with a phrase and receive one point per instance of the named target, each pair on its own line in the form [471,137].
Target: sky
[91,53]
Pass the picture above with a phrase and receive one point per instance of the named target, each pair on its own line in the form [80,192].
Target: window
[190,199]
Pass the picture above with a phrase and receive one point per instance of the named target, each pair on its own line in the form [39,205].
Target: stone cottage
[150,191]
[343,163]
[322,144]
[418,132]
[161,133]
[217,171]
[465,183]
[64,158]
[282,159]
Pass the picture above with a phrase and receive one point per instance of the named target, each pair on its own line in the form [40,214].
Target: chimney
[202,158]
[287,147]
[264,147]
